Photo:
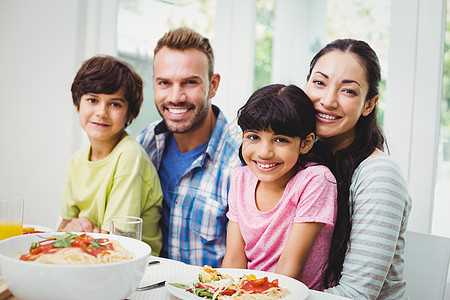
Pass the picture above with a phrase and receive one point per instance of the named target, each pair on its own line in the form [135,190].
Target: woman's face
[338,88]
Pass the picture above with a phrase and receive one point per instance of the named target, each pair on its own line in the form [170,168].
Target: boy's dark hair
[184,38]
[106,75]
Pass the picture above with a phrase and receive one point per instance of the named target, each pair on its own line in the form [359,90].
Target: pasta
[213,285]
[75,249]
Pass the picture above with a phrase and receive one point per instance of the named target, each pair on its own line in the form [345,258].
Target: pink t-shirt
[310,196]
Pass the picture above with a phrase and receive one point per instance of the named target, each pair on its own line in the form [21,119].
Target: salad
[213,285]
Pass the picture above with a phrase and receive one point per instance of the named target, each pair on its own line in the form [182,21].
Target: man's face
[182,89]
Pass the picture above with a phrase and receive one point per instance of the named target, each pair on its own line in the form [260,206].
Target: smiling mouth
[325,116]
[177,111]
[100,124]
[265,166]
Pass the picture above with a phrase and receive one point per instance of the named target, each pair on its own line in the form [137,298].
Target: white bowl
[32,280]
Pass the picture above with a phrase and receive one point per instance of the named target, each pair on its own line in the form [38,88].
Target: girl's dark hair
[369,137]
[287,110]
[107,75]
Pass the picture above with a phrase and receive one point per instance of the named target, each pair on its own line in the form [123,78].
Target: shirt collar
[216,135]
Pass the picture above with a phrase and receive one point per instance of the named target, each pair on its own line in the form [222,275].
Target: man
[192,149]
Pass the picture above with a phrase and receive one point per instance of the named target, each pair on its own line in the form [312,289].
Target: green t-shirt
[125,183]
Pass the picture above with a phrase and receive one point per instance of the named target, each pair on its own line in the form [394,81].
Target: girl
[343,83]
[282,204]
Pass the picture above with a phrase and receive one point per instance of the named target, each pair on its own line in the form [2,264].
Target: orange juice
[10,228]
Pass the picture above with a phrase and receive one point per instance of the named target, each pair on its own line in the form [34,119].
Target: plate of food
[229,283]
[29,228]
[75,265]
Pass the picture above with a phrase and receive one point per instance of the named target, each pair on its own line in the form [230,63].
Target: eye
[91,100]
[350,91]
[162,82]
[282,140]
[318,82]
[116,104]
[252,137]
[191,82]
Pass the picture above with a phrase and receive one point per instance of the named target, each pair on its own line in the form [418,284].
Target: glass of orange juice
[11,217]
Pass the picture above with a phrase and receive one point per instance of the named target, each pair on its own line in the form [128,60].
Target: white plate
[39,228]
[298,290]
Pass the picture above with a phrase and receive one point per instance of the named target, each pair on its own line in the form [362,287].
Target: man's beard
[184,126]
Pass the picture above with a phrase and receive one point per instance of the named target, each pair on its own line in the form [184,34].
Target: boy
[114,175]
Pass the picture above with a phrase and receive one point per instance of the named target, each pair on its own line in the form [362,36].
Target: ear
[215,80]
[370,105]
[307,143]
[77,108]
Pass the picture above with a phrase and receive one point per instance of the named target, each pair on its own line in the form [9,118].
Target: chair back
[426,265]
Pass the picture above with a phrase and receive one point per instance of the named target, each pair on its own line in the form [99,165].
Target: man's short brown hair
[184,38]
[107,75]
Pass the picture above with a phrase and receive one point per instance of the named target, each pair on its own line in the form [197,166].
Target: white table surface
[167,268]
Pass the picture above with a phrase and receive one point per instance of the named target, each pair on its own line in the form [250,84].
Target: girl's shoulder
[313,172]
[314,169]
[243,172]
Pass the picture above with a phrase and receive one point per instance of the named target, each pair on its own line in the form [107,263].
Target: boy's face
[103,116]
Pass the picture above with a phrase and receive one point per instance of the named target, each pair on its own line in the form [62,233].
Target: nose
[101,110]
[329,99]
[266,150]
[177,94]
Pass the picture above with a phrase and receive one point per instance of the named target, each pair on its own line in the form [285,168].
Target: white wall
[42,46]
[37,121]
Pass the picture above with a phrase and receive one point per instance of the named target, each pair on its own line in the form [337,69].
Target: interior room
[256,42]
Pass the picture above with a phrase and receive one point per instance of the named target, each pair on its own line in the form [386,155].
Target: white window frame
[413,98]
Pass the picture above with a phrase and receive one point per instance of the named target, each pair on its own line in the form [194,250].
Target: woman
[343,83]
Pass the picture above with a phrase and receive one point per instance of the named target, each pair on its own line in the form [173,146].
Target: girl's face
[338,88]
[103,116]
[271,156]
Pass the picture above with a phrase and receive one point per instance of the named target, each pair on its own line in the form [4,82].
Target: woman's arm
[235,253]
[296,250]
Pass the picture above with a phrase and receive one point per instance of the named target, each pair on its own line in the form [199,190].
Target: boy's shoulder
[130,148]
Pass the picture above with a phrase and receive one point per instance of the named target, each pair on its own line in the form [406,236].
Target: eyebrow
[343,81]
[184,79]
[115,99]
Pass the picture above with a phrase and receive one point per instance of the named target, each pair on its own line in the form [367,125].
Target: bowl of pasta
[62,265]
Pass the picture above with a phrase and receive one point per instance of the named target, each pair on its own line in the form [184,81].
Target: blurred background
[256,42]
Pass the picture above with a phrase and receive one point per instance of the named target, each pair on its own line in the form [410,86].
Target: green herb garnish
[180,285]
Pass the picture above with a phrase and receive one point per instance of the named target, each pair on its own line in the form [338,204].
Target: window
[140,24]
[363,20]
[442,188]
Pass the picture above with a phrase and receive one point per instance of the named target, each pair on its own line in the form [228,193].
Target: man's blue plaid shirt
[198,222]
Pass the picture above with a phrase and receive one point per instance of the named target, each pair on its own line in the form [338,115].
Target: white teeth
[322,115]
[177,110]
[265,166]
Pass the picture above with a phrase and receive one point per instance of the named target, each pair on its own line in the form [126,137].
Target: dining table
[166,268]
[163,270]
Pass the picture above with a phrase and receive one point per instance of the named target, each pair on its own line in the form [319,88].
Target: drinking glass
[126,226]
[11,217]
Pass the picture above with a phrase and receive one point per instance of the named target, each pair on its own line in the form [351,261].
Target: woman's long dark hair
[287,110]
[369,137]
